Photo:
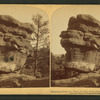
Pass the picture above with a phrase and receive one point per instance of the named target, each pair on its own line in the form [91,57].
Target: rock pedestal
[81,41]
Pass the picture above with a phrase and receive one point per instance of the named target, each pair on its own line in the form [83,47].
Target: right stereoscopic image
[75,47]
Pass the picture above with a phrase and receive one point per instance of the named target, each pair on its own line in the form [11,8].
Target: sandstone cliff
[14,43]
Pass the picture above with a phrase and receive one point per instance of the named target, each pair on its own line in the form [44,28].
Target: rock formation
[14,43]
[81,41]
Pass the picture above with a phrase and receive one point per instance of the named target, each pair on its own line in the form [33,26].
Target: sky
[59,22]
[58,16]
[22,13]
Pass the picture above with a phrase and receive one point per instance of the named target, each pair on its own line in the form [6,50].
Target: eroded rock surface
[81,41]
[14,43]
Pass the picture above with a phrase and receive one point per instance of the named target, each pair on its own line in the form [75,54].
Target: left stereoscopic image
[24,47]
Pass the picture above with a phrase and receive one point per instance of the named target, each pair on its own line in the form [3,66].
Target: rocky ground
[81,80]
[15,80]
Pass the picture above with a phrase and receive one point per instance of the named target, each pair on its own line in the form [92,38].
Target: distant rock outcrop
[14,43]
[82,43]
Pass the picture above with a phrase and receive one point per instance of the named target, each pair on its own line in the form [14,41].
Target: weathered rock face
[14,43]
[82,43]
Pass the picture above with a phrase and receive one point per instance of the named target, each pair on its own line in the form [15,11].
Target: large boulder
[81,41]
[14,43]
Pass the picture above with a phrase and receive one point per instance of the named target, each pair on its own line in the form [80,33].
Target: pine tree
[40,36]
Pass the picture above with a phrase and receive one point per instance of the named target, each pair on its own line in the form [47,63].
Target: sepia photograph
[75,47]
[24,47]
[50,49]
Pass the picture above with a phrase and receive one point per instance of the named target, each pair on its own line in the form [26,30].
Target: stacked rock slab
[14,43]
[81,41]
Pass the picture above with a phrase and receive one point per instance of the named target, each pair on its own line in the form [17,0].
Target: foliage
[38,63]
[43,61]
[59,69]
[41,38]
[41,31]
[43,64]
[57,66]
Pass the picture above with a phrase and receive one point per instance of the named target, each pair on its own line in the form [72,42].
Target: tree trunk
[36,59]
[36,55]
